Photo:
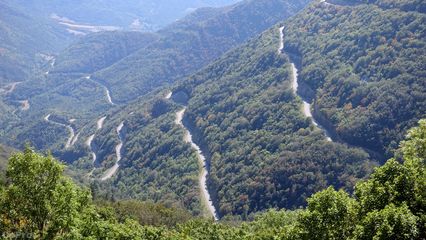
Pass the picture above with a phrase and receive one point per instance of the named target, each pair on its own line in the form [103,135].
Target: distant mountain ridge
[188,45]
[146,15]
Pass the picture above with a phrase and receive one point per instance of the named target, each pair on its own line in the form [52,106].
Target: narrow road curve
[107,92]
[52,61]
[72,137]
[99,125]
[341,3]
[205,195]
[8,89]
[295,86]
[89,144]
[75,139]
[110,172]
[325,2]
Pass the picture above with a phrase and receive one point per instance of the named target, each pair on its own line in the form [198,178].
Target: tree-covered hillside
[181,49]
[97,51]
[26,41]
[156,164]
[38,202]
[263,152]
[105,107]
[365,65]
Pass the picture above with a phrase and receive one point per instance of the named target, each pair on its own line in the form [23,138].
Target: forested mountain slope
[181,49]
[359,63]
[263,151]
[153,150]
[365,66]
[97,51]
[25,42]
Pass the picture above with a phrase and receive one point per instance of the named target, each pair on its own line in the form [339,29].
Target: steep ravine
[205,195]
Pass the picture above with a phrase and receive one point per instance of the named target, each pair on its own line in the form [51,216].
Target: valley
[288,119]
[81,29]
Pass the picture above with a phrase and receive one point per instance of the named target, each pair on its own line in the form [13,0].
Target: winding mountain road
[99,125]
[52,61]
[89,144]
[205,195]
[295,86]
[107,91]
[72,139]
[8,89]
[110,172]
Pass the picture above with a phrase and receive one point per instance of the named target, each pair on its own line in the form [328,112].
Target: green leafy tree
[38,199]
[330,214]
[400,184]
[39,202]
[392,222]
[391,183]
[414,152]
[272,225]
